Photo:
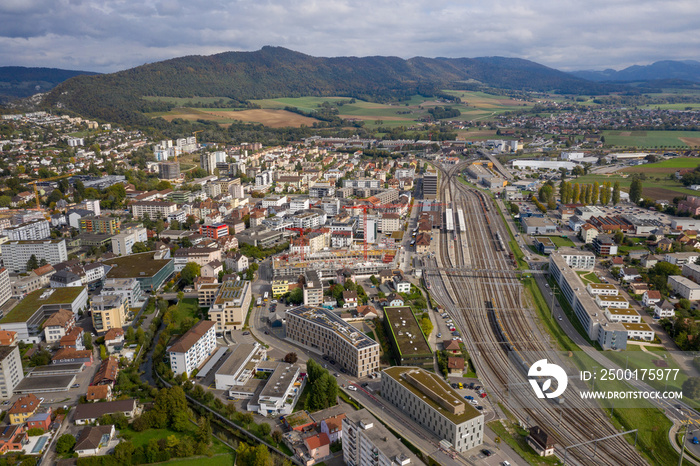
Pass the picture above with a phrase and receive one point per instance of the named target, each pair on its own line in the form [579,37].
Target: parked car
[486,452]
[471,385]
[352,387]
[453,385]
[439,334]
[468,397]
[246,333]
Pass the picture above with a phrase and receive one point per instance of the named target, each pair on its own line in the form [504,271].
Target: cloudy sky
[108,36]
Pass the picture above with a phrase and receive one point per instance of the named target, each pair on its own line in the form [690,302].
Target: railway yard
[474,277]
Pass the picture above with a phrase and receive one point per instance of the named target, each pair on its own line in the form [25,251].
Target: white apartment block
[629,315]
[154,209]
[128,288]
[298,204]
[193,348]
[34,230]
[240,366]
[279,394]
[362,183]
[684,287]
[231,305]
[11,373]
[577,259]
[324,332]
[617,302]
[123,243]
[604,289]
[428,400]
[5,286]
[15,254]
[366,442]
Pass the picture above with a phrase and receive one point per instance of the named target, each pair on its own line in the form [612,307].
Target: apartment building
[427,399]
[23,409]
[5,286]
[604,289]
[313,289]
[200,256]
[324,332]
[603,245]
[193,348]
[34,280]
[58,325]
[577,259]
[240,366]
[105,225]
[108,312]
[123,243]
[128,288]
[154,209]
[169,170]
[33,230]
[11,373]
[215,231]
[16,254]
[684,287]
[366,442]
[231,305]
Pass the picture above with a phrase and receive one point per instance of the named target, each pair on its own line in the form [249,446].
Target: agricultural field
[653,139]
[225,117]
[654,187]
[665,167]
[481,106]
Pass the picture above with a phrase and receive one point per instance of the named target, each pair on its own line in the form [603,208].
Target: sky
[108,36]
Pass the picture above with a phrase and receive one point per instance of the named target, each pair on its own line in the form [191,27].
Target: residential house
[318,447]
[70,356]
[664,310]
[99,393]
[93,438]
[350,299]
[651,297]
[7,338]
[40,421]
[23,409]
[629,274]
[114,337]
[73,339]
[58,325]
[236,262]
[367,312]
[12,438]
[452,346]
[212,269]
[422,243]
[333,427]
[90,412]
[107,373]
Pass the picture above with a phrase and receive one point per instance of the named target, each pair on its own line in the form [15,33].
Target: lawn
[665,167]
[588,277]
[187,307]
[653,139]
[217,460]
[562,242]
[654,187]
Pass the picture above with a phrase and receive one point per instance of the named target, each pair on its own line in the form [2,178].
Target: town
[339,300]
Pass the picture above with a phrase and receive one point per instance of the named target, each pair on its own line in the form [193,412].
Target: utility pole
[680,460]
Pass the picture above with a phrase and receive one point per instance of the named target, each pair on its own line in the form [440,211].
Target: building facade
[16,254]
[11,373]
[366,442]
[193,348]
[230,307]
[108,312]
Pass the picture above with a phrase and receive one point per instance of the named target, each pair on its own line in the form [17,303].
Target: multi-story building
[36,279]
[123,243]
[23,409]
[193,348]
[279,391]
[390,222]
[33,230]
[200,256]
[603,245]
[154,209]
[169,170]
[240,366]
[16,254]
[215,231]
[108,312]
[313,289]
[128,288]
[231,305]
[5,286]
[407,341]
[151,269]
[577,259]
[324,332]
[207,160]
[430,184]
[321,190]
[11,372]
[58,325]
[367,183]
[427,399]
[107,225]
[366,442]
[684,287]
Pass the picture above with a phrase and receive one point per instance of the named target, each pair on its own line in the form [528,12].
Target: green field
[654,187]
[562,242]
[665,166]
[189,101]
[588,277]
[216,460]
[187,307]
[652,139]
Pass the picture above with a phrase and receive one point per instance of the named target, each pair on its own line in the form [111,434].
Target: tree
[636,190]
[426,326]
[374,280]
[296,296]
[265,428]
[616,193]
[87,340]
[595,194]
[691,387]
[32,263]
[290,358]
[139,247]
[130,334]
[576,194]
[65,444]
[191,271]
[277,436]
[203,432]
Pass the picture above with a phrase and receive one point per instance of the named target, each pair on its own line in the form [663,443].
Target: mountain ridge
[22,81]
[684,70]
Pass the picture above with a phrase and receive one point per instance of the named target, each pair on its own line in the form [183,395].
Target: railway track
[501,332]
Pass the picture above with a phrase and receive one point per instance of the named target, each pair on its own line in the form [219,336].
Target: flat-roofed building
[11,373]
[231,305]
[326,333]
[639,331]
[151,269]
[684,287]
[281,391]
[428,400]
[430,184]
[16,254]
[100,224]
[32,230]
[5,286]
[128,288]
[313,289]
[538,226]
[240,366]
[366,442]
[605,289]
[193,348]
[123,243]
[108,312]
[604,302]
[610,335]
[629,315]
[154,209]
[577,259]
[407,340]
[206,294]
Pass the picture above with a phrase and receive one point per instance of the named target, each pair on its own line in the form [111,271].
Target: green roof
[439,387]
[409,337]
[141,265]
[29,305]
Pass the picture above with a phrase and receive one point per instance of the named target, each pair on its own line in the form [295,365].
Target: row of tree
[323,387]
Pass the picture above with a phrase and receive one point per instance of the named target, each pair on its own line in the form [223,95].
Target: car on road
[336,375]
[332,362]
[364,385]
[352,387]
[342,369]
[560,318]
[439,334]
[75,385]
[468,397]
[480,408]
[695,441]
[266,332]
[486,452]
[505,463]
[246,333]
[325,357]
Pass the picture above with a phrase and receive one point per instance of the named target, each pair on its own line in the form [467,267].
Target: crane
[364,208]
[36,191]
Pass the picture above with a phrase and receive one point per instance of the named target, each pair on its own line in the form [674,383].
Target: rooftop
[192,336]
[333,322]
[406,330]
[623,312]
[232,291]
[435,393]
[637,327]
[34,300]
[136,265]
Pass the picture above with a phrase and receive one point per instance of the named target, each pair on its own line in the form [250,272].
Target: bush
[35,432]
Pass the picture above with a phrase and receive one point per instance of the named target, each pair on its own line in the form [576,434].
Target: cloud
[110,36]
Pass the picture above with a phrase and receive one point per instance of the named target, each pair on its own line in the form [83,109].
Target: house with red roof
[318,447]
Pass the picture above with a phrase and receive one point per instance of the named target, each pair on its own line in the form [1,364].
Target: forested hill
[278,72]
[18,81]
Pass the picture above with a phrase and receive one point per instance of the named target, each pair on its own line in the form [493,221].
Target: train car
[449,220]
[460,221]
[426,283]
